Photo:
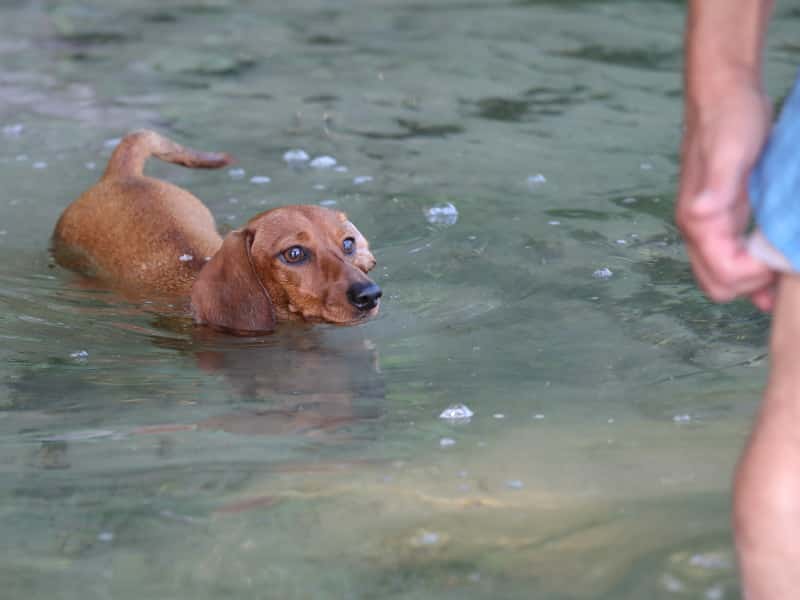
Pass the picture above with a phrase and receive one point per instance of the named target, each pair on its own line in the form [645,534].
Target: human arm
[767,490]
[726,120]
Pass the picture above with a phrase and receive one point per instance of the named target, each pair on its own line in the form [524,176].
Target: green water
[142,460]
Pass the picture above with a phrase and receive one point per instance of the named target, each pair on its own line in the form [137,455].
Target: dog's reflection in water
[299,380]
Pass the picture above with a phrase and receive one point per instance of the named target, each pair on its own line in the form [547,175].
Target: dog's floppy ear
[228,293]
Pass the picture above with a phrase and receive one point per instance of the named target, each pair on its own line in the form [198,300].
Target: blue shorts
[774,186]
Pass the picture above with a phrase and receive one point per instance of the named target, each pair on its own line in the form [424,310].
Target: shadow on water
[537,103]
[632,58]
[295,381]
[412,129]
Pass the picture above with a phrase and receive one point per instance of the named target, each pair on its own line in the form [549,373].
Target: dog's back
[141,233]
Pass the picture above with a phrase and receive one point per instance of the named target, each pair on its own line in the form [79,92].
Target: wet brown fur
[131,230]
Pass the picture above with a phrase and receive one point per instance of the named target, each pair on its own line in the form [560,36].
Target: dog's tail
[135,148]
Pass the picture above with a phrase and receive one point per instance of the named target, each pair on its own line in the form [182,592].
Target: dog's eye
[348,245]
[295,254]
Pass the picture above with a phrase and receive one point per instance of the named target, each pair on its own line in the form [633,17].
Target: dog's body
[132,230]
[149,237]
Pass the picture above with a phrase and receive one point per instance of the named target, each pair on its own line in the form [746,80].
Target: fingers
[723,267]
[713,223]
[725,270]
[764,299]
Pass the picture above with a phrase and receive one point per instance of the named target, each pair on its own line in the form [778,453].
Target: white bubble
[604,273]
[296,156]
[327,202]
[90,165]
[341,169]
[711,561]
[185,257]
[554,222]
[362,179]
[499,416]
[442,214]
[672,583]
[428,538]
[236,173]
[682,418]
[39,164]
[446,442]
[457,412]
[105,536]
[112,143]
[14,130]
[515,484]
[259,179]
[715,592]
[323,162]
[537,179]
[80,354]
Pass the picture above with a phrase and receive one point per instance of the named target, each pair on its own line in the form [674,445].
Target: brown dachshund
[149,237]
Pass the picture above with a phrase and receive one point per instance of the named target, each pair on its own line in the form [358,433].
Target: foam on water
[536,180]
[323,162]
[442,214]
[14,130]
[296,157]
[457,412]
[603,273]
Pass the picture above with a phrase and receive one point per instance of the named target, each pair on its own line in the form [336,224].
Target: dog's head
[295,263]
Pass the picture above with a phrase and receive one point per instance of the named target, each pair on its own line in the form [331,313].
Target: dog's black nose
[364,295]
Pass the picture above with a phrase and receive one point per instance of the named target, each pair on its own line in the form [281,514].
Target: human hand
[722,140]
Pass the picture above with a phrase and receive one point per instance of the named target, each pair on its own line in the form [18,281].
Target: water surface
[143,459]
